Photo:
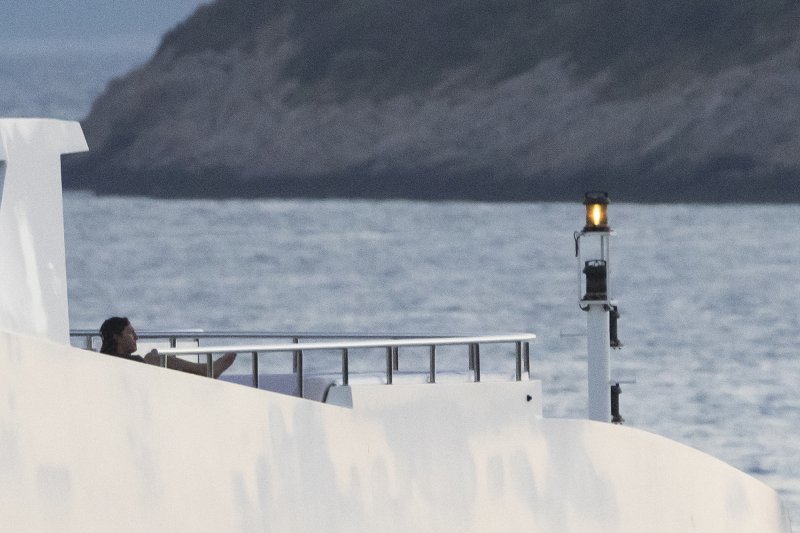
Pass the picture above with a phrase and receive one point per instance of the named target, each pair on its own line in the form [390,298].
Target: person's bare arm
[219,366]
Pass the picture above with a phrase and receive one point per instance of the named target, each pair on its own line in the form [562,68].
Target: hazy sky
[56,56]
[91,19]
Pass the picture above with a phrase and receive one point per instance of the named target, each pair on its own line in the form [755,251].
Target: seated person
[119,339]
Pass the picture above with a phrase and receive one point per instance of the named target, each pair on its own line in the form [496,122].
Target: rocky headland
[458,99]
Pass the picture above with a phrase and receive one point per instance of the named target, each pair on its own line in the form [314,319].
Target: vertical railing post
[526,357]
[389,365]
[518,374]
[345,367]
[299,361]
[173,343]
[476,361]
[210,365]
[255,370]
[432,378]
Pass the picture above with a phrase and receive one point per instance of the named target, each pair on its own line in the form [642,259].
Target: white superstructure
[33,279]
[94,443]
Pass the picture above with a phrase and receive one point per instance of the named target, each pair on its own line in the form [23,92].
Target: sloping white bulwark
[93,443]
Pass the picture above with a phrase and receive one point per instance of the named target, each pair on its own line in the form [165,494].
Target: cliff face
[489,99]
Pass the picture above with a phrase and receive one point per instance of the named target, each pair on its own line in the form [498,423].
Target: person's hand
[152,357]
[223,363]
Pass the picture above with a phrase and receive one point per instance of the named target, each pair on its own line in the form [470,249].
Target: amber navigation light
[596,211]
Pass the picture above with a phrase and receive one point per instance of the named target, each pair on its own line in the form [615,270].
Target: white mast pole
[598,352]
[597,303]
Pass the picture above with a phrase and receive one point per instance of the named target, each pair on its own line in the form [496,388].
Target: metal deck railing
[299,344]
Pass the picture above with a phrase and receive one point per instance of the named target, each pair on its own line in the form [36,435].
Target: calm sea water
[708,295]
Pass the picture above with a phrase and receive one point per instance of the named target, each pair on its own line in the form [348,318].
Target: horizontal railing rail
[172,336]
[209,334]
[343,343]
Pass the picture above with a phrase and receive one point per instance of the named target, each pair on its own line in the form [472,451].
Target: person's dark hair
[112,326]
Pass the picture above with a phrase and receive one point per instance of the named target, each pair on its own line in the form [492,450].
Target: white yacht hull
[94,443]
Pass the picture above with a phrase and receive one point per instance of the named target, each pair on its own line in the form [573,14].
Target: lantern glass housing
[596,211]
